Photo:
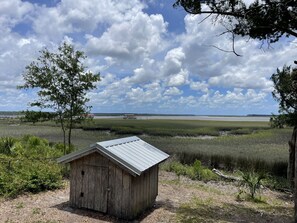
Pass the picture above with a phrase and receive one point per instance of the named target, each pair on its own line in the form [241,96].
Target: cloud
[173,62]
[83,16]
[178,79]
[199,86]
[13,12]
[173,91]
[143,65]
[137,38]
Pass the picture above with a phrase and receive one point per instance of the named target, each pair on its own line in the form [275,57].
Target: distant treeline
[37,116]
[258,115]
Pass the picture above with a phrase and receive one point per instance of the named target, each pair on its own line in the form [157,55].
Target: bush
[6,144]
[29,167]
[194,172]
[253,182]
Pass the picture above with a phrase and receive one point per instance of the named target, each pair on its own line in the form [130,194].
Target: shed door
[94,187]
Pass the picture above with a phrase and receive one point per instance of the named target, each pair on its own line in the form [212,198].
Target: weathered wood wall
[89,182]
[97,183]
[119,200]
[144,191]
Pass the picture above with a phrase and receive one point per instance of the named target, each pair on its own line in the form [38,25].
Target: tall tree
[285,93]
[265,20]
[62,82]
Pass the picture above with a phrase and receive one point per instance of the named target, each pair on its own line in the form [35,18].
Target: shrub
[6,144]
[194,172]
[253,182]
[29,167]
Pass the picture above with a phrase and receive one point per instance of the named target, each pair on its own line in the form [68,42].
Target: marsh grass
[174,127]
[254,146]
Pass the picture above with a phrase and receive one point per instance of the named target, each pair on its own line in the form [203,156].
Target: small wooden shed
[117,177]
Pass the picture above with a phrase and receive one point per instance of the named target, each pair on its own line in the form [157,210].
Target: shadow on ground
[65,206]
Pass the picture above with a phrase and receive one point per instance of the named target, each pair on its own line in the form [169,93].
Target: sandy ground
[178,201]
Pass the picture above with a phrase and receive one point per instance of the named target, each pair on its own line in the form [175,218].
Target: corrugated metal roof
[132,153]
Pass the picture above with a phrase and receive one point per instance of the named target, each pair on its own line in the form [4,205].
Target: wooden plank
[148,194]
[79,188]
[144,190]
[85,175]
[138,195]
[91,184]
[132,199]
[142,193]
[151,183]
[126,195]
[97,191]
[111,186]
[118,185]
[72,183]
[156,180]
[104,189]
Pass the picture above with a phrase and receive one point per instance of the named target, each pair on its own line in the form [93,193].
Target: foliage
[278,121]
[264,20]
[194,172]
[253,182]
[29,167]
[62,84]
[6,144]
[34,116]
[285,93]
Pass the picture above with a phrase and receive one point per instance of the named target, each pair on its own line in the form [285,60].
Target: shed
[117,177]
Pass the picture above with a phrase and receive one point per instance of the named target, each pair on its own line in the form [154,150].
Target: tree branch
[226,51]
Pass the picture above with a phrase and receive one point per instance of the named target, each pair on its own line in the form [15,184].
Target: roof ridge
[117,144]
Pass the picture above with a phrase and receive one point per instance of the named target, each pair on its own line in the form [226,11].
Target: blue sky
[152,58]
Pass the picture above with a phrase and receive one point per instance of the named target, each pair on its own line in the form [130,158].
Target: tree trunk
[291,163]
[64,134]
[293,147]
[69,135]
[70,126]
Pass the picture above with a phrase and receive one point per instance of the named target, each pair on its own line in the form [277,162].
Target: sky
[152,58]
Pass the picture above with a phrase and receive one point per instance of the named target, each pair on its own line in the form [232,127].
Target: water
[203,118]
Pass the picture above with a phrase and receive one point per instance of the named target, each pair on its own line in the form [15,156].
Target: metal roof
[132,153]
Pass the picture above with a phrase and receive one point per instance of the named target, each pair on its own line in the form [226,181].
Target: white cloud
[130,40]
[142,64]
[236,98]
[178,79]
[83,16]
[199,86]
[173,62]
[141,96]
[173,91]
[147,72]
[13,12]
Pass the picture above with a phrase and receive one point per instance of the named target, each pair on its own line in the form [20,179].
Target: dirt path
[178,201]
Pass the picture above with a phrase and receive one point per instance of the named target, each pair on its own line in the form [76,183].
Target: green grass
[174,127]
[211,210]
[251,144]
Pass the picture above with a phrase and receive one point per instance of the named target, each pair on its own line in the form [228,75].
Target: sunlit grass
[254,145]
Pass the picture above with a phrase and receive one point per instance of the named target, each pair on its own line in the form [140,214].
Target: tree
[285,93]
[37,116]
[265,20]
[62,83]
